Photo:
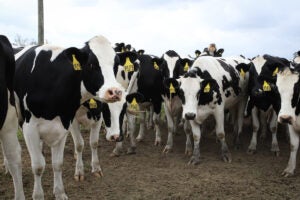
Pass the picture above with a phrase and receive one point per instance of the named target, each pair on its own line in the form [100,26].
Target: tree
[20,41]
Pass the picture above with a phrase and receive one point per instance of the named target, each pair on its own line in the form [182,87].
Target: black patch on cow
[202,74]
[227,93]
[207,97]
[181,96]
[121,119]
[7,69]
[179,68]
[123,74]
[27,116]
[106,115]
[172,53]
[91,74]
[234,82]
[116,65]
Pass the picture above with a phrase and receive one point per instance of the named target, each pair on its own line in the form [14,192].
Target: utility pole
[40,22]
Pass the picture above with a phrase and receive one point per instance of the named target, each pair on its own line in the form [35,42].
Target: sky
[247,27]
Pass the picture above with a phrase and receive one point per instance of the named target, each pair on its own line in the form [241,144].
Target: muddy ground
[151,175]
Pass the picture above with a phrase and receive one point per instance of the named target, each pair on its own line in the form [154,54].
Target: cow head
[288,84]
[98,76]
[262,82]
[133,101]
[195,92]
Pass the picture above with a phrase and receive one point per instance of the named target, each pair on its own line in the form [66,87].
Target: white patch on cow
[259,62]
[105,54]
[297,60]
[20,53]
[54,49]
[171,61]
[285,83]
[85,95]
[115,111]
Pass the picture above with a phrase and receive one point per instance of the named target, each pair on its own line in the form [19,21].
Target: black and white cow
[176,67]
[288,84]
[211,50]
[211,86]
[8,117]
[149,83]
[264,101]
[51,83]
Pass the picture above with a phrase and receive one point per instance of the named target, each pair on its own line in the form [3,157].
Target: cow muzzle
[115,138]
[285,119]
[113,95]
[190,116]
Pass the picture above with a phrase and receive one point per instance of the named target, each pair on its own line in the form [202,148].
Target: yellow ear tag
[242,73]
[92,104]
[128,66]
[156,66]
[275,72]
[207,88]
[76,64]
[122,50]
[186,67]
[172,89]
[134,105]
[266,86]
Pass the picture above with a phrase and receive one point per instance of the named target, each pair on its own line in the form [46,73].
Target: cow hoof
[62,196]
[131,150]
[226,157]
[194,161]
[251,151]
[116,153]
[98,174]
[139,139]
[188,152]
[276,153]
[113,154]
[79,177]
[167,149]
[287,173]
[157,143]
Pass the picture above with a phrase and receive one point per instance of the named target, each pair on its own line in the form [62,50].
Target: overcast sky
[248,27]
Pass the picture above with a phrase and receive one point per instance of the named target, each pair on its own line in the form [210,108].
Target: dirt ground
[151,175]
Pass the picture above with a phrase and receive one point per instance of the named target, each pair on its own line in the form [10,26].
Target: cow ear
[139,98]
[76,56]
[127,57]
[243,66]
[168,81]
[157,63]
[208,85]
[220,51]
[141,52]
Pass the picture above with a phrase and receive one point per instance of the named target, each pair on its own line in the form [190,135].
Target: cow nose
[114,138]
[190,116]
[113,95]
[285,119]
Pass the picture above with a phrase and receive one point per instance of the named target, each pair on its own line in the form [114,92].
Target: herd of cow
[51,91]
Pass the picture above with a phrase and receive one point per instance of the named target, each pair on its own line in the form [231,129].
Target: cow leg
[195,159]
[156,118]
[219,116]
[255,127]
[12,155]
[171,125]
[131,130]
[78,144]
[240,120]
[94,138]
[188,133]
[32,139]
[150,118]
[141,134]
[294,144]
[263,119]
[57,152]
[273,128]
